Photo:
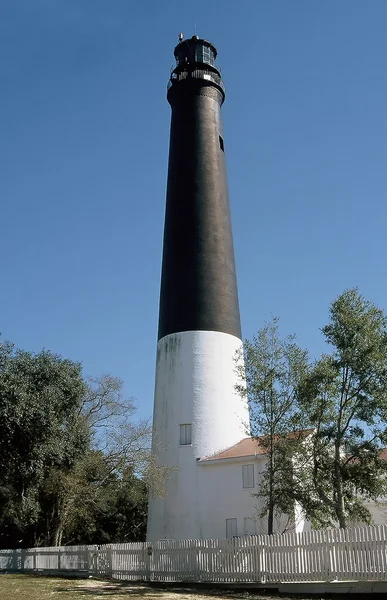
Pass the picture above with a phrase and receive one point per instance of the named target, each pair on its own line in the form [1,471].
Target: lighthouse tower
[197,411]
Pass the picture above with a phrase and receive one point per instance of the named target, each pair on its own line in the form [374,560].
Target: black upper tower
[198,283]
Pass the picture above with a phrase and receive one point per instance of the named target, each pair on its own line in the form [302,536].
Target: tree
[75,464]
[126,442]
[94,504]
[40,395]
[79,500]
[344,395]
[112,426]
[273,369]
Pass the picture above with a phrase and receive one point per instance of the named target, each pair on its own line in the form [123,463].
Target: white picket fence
[358,554]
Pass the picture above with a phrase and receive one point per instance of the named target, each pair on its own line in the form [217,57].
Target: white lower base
[195,383]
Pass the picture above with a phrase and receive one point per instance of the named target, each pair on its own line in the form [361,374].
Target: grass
[29,587]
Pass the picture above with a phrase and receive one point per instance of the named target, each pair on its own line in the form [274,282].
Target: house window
[248,476]
[186,434]
[221,143]
[250,526]
[231,528]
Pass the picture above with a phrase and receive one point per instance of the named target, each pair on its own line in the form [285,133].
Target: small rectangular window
[221,143]
[248,476]
[185,434]
[250,526]
[231,528]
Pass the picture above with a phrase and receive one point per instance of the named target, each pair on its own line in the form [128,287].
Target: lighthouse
[197,411]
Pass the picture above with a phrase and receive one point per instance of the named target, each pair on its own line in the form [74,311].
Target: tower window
[186,434]
[221,143]
[204,54]
[248,476]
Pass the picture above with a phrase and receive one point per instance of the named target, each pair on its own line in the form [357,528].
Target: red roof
[383,453]
[249,446]
[246,447]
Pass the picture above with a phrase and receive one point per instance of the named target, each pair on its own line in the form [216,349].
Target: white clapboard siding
[358,554]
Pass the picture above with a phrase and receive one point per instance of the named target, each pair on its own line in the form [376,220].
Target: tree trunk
[338,489]
[58,535]
[270,516]
[58,523]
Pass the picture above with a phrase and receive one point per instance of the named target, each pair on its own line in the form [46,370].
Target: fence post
[148,558]
[92,560]
[110,560]
[22,559]
[96,561]
[262,560]
[330,555]
[87,559]
[14,560]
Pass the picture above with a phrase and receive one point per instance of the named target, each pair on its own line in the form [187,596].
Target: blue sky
[84,127]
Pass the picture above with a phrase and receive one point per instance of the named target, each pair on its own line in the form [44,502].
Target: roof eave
[212,461]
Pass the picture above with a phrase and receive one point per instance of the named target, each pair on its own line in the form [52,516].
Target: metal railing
[213,64]
[205,74]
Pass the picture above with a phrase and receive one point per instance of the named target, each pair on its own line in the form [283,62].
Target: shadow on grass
[133,590]
[116,588]
[105,590]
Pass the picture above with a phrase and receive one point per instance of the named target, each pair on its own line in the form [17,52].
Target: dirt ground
[30,587]
[27,587]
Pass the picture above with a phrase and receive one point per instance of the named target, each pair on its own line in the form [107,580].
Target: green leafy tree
[75,463]
[79,500]
[115,510]
[40,395]
[94,503]
[344,395]
[273,368]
